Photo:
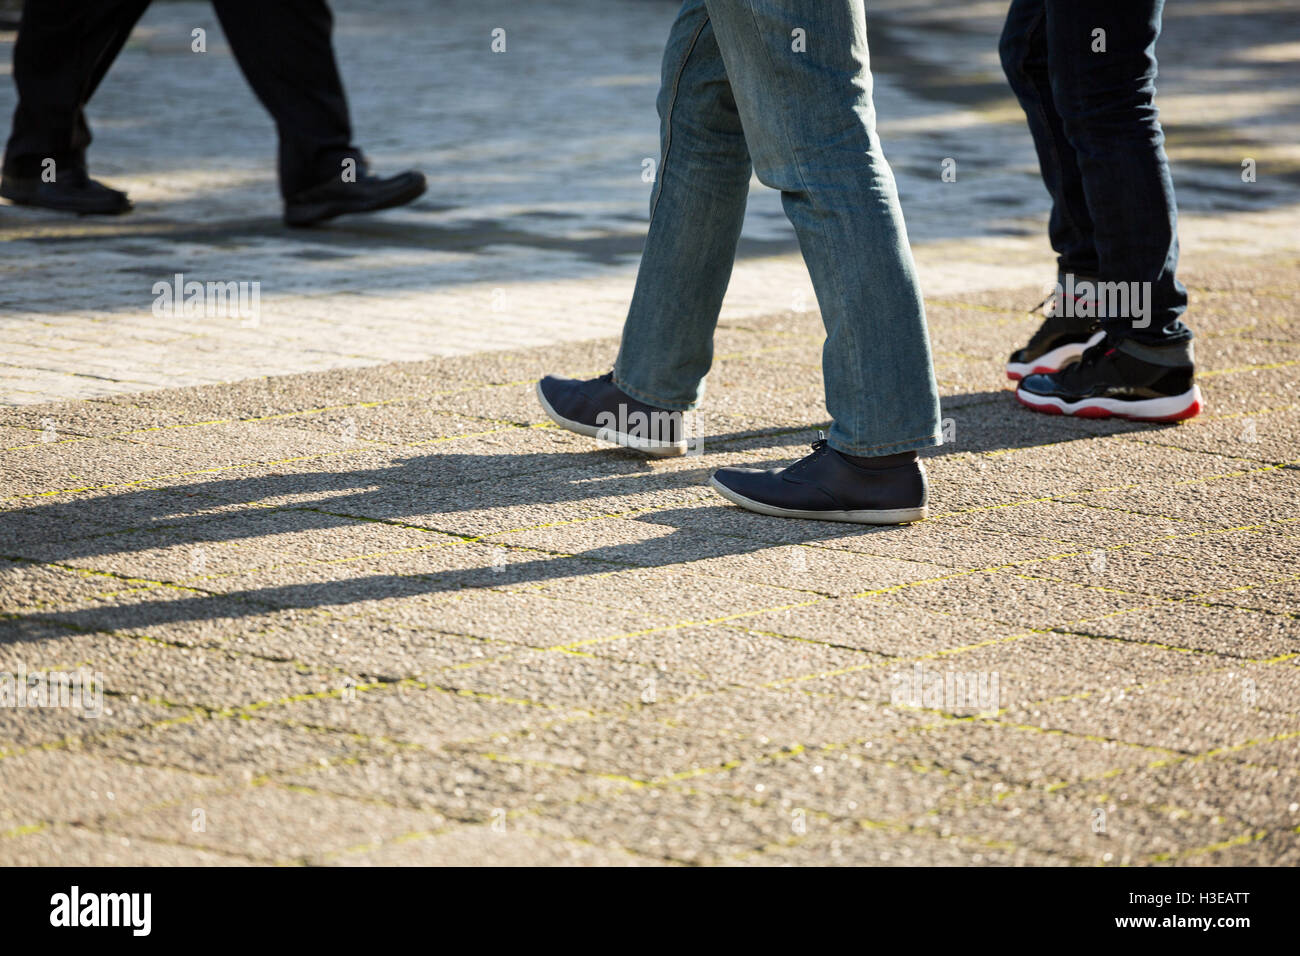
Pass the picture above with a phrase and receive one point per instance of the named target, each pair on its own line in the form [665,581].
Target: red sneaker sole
[1036,370]
[1191,411]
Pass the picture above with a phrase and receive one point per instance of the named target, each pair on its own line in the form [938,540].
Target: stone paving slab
[271,823]
[74,846]
[62,787]
[467,846]
[863,846]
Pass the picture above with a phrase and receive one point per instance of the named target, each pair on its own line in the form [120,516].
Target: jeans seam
[668,116]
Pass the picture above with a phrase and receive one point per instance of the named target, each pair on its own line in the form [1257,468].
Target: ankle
[880,462]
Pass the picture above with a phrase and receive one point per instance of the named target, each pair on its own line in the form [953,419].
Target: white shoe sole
[1170,409]
[886,516]
[647,446]
[1052,361]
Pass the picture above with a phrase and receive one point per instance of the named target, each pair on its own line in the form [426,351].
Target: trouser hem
[887,448]
[649,399]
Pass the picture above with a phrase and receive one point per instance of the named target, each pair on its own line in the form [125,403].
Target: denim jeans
[742,91]
[1100,147]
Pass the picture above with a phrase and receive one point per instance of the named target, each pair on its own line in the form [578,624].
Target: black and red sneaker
[1060,340]
[1142,383]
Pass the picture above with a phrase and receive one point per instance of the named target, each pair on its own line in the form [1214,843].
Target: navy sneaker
[828,486]
[1125,380]
[598,409]
[1060,340]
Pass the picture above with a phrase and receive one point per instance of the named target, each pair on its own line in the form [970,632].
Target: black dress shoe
[72,191]
[597,408]
[826,486]
[369,193]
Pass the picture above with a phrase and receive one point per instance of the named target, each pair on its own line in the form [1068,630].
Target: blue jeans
[739,95]
[1100,147]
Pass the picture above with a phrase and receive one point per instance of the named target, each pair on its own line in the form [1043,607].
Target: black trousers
[283,47]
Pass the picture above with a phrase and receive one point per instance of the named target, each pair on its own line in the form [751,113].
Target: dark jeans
[1100,147]
[65,47]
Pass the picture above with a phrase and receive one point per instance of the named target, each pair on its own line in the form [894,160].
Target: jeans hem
[903,444]
[648,399]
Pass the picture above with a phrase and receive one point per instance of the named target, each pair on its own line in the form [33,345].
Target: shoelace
[1050,300]
[1039,308]
[817,448]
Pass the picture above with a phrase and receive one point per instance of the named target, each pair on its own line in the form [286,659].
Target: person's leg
[734,84]
[1023,51]
[63,50]
[697,207]
[1101,59]
[1064,334]
[805,114]
[802,86]
[285,52]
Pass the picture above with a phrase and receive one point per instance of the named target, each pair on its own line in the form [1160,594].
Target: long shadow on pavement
[417,493]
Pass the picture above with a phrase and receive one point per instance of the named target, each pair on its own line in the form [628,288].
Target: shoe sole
[883,516]
[647,446]
[1174,408]
[309,215]
[20,198]
[1052,361]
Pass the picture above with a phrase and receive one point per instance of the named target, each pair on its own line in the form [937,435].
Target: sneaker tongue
[1103,349]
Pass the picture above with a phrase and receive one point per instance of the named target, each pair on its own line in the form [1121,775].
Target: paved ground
[389,615]
[383,613]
